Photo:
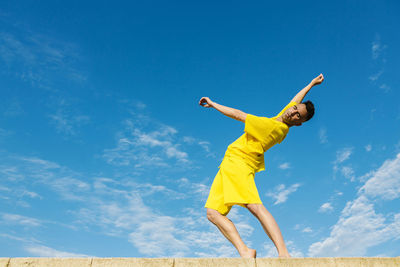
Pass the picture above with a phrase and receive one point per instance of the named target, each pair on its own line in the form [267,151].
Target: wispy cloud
[379,60]
[377,48]
[203,144]
[348,172]
[284,166]
[67,124]
[384,182]
[368,148]
[120,208]
[38,59]
[19,219]
[323,137]
[343,155]
[270,251]
[376,76]
[13,108]
[143,148]
[43,251]
[326,207]
[360,227]
[67,119]
[198,189]
[281,193]
[385,88]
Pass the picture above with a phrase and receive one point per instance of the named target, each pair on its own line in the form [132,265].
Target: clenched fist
[319,79]
[206,102]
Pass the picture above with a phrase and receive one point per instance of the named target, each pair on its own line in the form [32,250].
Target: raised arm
[227,111]
[300,95]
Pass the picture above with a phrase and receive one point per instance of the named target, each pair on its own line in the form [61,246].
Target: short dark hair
[310,109]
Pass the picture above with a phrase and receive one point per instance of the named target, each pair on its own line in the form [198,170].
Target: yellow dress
[234,183]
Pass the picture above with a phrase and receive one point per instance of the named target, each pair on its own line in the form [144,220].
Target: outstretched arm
[300,95]
[227,111]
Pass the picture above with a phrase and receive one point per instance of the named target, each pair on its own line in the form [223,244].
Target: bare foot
[249,253]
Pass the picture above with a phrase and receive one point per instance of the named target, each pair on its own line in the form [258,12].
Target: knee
[212,214]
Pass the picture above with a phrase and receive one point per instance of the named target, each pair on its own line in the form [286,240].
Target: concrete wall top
[204,262]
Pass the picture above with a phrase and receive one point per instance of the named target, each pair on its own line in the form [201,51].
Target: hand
[206,102]
[318,79]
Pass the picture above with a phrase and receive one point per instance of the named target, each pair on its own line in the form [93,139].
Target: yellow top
[261,133]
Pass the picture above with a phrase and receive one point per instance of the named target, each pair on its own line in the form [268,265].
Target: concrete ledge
[208,262]
[4,262]
[133,262]
[214,262]
[54,262]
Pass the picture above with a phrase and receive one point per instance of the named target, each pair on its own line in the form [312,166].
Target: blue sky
[105,151]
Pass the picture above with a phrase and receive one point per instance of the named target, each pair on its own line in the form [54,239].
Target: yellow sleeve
[291,104]
[258,127]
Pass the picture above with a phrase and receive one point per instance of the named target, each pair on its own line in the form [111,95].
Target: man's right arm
[300,95]
[227,111]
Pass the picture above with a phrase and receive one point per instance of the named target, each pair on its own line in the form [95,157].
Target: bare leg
[229,230]
[270,226]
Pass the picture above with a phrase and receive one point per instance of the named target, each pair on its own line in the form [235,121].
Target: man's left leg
[270,226]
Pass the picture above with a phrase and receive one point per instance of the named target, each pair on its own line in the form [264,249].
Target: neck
[281,120]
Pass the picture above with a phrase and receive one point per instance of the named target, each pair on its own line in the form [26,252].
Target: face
[295,115]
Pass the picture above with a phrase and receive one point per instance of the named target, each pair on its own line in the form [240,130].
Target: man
[234,183]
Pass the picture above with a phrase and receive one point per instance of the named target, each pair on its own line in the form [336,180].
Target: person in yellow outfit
[234,183]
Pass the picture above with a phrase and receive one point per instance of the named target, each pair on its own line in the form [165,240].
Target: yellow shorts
[233,185]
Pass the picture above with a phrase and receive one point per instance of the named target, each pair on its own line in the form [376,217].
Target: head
[296,115]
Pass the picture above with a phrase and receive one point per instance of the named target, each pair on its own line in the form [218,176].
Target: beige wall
[208,262]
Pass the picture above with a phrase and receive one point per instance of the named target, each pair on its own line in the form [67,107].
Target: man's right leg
[229,230]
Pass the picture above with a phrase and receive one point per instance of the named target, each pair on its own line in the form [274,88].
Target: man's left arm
[300,95]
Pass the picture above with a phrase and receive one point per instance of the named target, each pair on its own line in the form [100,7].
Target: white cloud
[360,227]
[307,230]
[43,251]
[41,163]
[384,182]
[146,148]
[158,242]
[343,154]
[281,193]
[198,190]
[326,207]
[67,123]
[119,207]
[67,119]
[385,88]
[270,251]
[284,166]
[189,139]
[375,76]
[368,148]
[140,105]
[377,48]
[30,194]
[19,219]
[38,59]
[323,138]
[348,173]
[204,144]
